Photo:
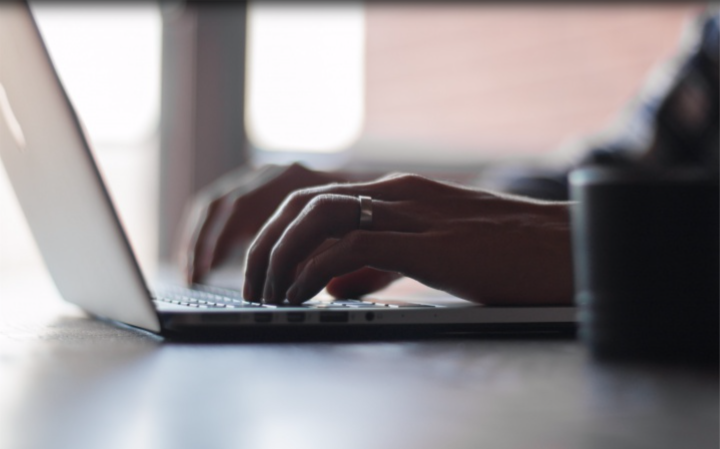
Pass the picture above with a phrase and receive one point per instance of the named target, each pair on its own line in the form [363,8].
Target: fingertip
[248,292]
[195,277]
[268,296]
[293,293]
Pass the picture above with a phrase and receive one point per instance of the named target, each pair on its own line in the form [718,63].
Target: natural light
[108,58]
[305,75]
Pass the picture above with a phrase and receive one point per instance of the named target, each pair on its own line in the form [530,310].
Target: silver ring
[366,212]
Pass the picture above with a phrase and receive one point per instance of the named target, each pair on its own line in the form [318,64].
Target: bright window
[305,75]
[108,56]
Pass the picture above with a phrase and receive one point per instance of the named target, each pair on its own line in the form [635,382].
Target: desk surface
[67,381]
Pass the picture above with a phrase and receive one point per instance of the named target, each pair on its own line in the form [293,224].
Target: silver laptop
[62,194]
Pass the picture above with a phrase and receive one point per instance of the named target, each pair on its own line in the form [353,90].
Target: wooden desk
[67,381]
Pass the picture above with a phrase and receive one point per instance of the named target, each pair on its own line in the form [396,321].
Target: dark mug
[646,250]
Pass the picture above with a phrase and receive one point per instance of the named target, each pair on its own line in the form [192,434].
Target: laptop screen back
[58,185]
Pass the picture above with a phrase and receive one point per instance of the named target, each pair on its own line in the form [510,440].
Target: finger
[186,240]
[258,254]
[231,234]
[214,220]
[206,243]
[387,251]
[392,188]
[198,229]
[325,217]
[251,208]
[359,283]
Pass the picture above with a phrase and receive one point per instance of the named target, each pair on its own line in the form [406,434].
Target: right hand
[228,214]
[475,244]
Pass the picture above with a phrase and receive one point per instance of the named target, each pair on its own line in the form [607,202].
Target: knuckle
[297,199]
[209,194]
[321,204]
[213,206]
[412,178]
[204,196]
[392,175]
[199,208]
[310,268]
[254,252]
[295,168]
[405,180]
[237,200]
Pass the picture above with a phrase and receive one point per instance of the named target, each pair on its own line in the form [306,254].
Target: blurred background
[381,85]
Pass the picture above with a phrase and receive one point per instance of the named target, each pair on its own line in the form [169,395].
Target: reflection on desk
[69,381]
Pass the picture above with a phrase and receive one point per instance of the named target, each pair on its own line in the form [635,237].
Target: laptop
[50,165]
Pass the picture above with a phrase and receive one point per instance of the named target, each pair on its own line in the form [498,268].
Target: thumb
[360,282]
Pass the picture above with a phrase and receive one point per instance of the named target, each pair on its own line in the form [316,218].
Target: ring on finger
[366,212]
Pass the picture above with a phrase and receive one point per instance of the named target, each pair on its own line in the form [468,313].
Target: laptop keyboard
[206,297]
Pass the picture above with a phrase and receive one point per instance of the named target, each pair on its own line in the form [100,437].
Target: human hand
[228,214]
[474,244]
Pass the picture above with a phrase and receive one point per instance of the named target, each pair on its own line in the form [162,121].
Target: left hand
[228,213]
[477,245]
